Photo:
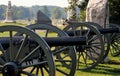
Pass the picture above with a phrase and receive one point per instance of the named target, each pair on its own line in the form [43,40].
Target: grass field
[100,70]
[106,69]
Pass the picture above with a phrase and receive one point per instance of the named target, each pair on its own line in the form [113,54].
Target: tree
[114,6]
[81,4]
[16,12]
[2,11]
[72,10]
[21,12]
[46,11]
[56,13]
[82,7]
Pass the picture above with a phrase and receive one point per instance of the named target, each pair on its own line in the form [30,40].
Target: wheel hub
[10,69]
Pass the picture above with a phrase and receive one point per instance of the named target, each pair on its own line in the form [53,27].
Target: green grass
[101,70]
[106,69]
[14,23]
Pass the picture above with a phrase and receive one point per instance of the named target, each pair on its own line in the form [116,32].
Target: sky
[28,3]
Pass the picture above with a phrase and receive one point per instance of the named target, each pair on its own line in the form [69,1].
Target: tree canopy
[21,12]
[114,11]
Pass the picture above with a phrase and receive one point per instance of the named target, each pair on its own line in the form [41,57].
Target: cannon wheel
[64,56]
[115,42]
[18,61]
[105,37]
[87,56]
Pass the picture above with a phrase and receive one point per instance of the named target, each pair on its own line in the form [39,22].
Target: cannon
[88,63]
[16,59]
[24,52]
[93,51]
[64,56]
[50,28]
[43,49]
[110,36]
[114,41]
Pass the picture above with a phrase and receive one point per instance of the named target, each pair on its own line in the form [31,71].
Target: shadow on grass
[105,69]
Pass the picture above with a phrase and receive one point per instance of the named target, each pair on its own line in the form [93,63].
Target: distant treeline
[21,12]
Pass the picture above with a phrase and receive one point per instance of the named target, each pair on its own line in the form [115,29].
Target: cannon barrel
[51,41]
[109,30]
[102,31]
[66,41]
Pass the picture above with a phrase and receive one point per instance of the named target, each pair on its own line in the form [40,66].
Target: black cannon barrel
[91,32]
[109,30]
[66,41]
[52,41]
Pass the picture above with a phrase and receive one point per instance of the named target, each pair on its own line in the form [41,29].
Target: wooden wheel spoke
[30,54]
[32,69]
[84,58]
[4,53]
[94,51]
[46,69]
[117,36]
[27,73]
[66,55]
[61,71]
[11,45]
[90,56]
[73,29]
[62,60]
[97,48]
[88,32]
[115,50]
[38,63]
[95,44]
[2,61]
[94,38]
[42,72]
[46,34]
[59,50]
[37,70]
[21,46]
[78,59]
[112,35]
